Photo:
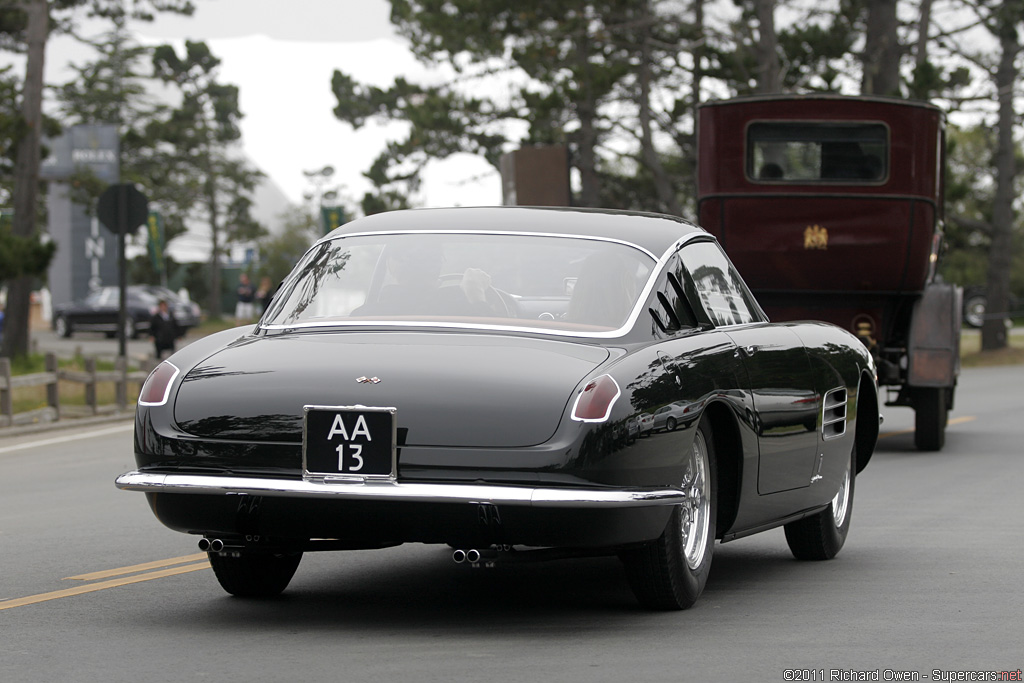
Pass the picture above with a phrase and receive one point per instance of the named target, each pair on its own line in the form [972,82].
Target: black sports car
[476,377]
[98,312]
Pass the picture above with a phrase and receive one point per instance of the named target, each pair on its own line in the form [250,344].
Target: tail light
[158,385]
[594,403]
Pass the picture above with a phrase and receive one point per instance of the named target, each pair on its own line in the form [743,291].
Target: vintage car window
[719,287]
[668,301]
[809,151]
[563,283]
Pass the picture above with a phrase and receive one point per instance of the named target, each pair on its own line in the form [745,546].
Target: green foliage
[11,130]
[22,255]
[818,51]
[192,169]
[571,69]
[279,253]
[970,195]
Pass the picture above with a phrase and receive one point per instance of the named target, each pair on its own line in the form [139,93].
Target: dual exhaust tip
[472,556]
[211,545]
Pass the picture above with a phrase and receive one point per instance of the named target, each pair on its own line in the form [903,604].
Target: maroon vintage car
[831,207]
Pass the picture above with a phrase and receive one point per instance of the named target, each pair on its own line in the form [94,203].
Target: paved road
[929,579]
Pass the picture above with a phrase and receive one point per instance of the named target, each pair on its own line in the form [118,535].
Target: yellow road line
[954,421]
[107,573]
[103,585]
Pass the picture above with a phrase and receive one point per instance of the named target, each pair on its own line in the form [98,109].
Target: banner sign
[155,240]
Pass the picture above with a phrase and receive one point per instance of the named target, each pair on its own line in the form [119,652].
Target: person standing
[164,330]
[244,309]
[264,294]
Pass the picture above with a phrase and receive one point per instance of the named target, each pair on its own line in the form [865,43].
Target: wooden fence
[51,378]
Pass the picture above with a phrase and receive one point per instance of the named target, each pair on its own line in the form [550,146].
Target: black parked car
[476,378]
[98,312]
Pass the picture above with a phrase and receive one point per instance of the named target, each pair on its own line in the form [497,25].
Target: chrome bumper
[399,491]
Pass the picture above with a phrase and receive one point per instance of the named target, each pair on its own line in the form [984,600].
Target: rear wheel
[974,310]
[931,413]
[821,536]
[254,575]
[670,573]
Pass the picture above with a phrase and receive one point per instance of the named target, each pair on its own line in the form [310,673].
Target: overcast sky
[281,55]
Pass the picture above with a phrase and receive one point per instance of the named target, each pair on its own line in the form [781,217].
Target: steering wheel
[499,301]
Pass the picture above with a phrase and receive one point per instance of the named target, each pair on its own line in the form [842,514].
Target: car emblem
[815,237]
[368,380]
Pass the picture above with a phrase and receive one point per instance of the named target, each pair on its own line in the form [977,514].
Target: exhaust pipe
[214,545]
[472,556]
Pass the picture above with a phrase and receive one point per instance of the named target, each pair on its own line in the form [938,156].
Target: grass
[971,355]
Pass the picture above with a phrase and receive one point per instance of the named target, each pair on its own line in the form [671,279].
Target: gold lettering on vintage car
[815,237]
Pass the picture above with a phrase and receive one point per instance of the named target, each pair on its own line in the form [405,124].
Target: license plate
[349,442]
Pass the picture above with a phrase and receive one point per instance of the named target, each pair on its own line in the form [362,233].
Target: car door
[94,311]
[785,403]
[777,367]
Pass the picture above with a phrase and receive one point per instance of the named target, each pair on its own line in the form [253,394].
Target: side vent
[833,419]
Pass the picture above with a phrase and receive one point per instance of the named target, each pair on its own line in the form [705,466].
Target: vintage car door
[777,368]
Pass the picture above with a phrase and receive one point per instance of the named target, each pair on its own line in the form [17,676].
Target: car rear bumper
[377,514]
[388,491]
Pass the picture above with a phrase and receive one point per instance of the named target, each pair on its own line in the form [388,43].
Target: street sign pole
[122,208]
[122,277]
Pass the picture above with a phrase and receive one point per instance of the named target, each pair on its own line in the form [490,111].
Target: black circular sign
[122,208]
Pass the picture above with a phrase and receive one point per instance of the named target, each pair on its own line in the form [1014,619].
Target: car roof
[654,232]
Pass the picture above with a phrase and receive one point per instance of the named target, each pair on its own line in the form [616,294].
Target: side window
[668,305]
[721,291]
[109,297]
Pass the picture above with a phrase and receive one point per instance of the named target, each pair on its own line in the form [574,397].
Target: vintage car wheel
[62,327]
[254,575]
[821,536]
[670,573]
[931,414]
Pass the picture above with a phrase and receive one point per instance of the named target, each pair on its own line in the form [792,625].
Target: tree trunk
[214,302]
[993,332]
[662,185]
[698,55]
[586,112]
[769,71]
[26,175]
[924,25]
[881,59]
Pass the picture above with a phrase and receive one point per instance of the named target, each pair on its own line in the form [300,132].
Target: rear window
[528,281]
[815,151]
